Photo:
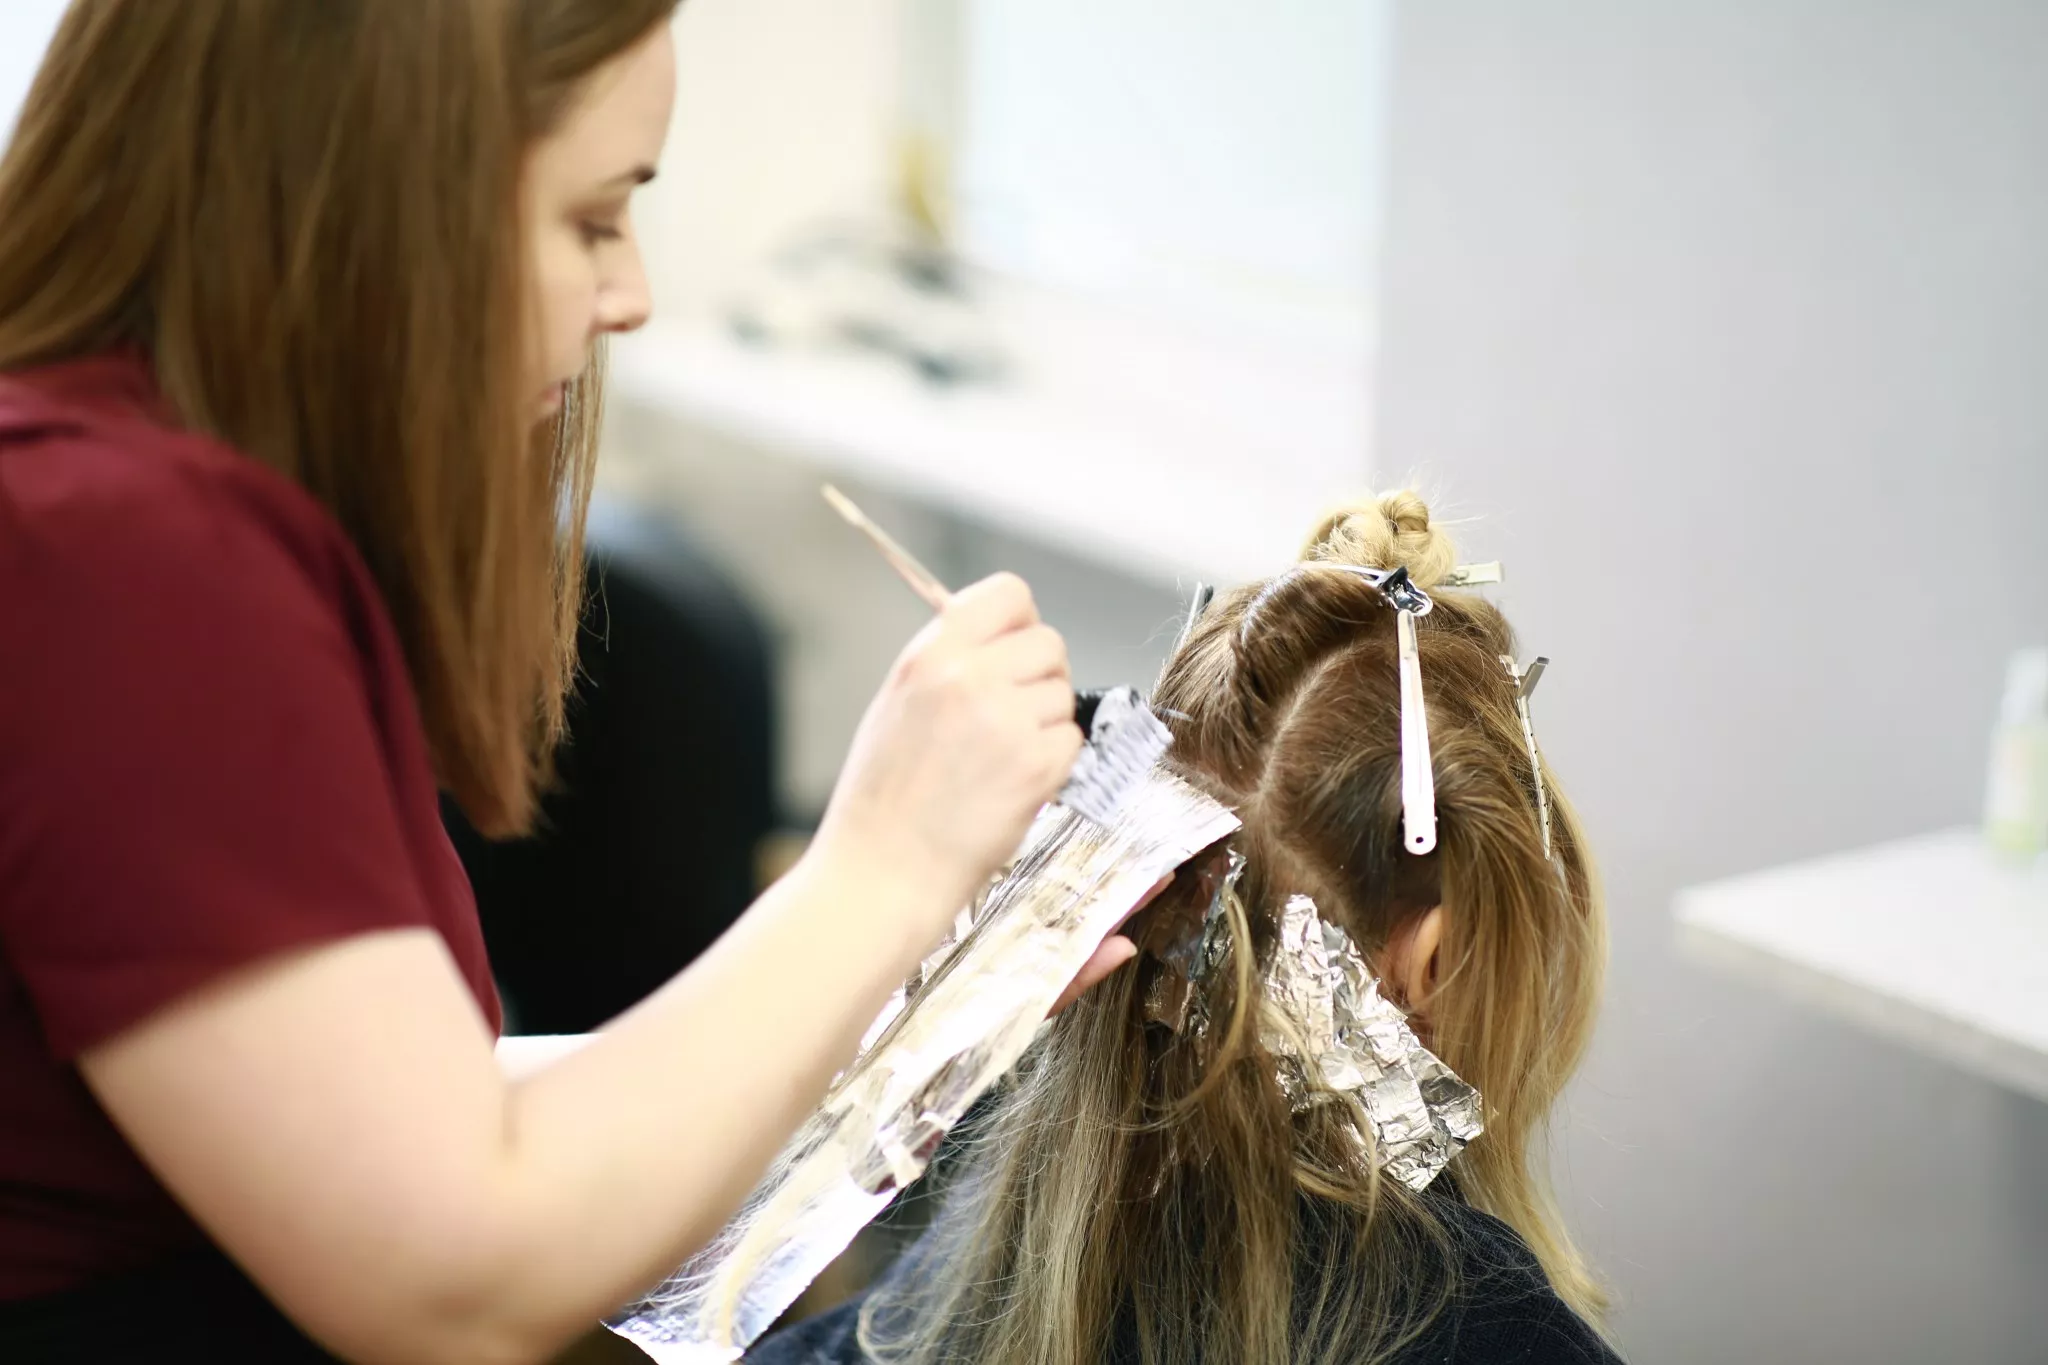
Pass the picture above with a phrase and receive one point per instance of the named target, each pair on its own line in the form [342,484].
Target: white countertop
[1931,941]
[1167,456]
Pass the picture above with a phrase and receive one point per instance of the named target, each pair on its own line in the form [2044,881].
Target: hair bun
[1391,531]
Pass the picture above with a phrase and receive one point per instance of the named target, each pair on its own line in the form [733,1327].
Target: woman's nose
[624,303]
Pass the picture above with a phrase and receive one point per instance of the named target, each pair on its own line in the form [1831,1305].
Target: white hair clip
[1418,768]
[1418,776]
[1410,602]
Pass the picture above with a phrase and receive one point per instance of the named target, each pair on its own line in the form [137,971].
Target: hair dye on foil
[1191,956]
[1345,1038]
[979,1003]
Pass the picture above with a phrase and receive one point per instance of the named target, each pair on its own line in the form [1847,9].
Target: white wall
[785,113]
[25,29]
[1732,318]
[1168,154]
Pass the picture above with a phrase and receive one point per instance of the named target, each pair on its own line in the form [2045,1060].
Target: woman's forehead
[617,129]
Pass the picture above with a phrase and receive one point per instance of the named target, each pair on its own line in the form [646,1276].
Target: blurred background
[1724,325]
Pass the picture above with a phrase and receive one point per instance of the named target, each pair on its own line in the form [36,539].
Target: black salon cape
[1505,1313]
[197,1307]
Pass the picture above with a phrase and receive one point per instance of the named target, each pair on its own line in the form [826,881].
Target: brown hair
[306,217]
[1155,1185]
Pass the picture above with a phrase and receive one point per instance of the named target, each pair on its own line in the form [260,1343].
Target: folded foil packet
[1328,1028]
[980,1002]
[1348,1039]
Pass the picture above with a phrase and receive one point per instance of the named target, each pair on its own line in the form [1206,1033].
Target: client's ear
[1410,961]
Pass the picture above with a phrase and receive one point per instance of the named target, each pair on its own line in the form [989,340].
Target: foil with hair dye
[963,1022]
[1335,1034]
[1192,955]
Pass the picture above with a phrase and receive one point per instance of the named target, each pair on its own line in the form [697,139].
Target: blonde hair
[1147,1185]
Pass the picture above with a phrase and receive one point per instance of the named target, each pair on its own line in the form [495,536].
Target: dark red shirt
[210,753]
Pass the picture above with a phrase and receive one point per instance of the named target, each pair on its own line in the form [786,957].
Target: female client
[1149,1189]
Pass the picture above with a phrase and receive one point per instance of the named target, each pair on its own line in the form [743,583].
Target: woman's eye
[597,233]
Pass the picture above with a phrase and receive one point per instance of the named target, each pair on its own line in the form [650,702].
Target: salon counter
[1155,452]
[1932,942]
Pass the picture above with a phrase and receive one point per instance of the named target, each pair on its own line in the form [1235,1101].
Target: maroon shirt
[210,754]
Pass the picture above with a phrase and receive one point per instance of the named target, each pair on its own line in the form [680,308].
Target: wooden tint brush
[922,581]
[1125,740]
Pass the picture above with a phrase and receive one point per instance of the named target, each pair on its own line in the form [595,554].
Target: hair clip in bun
[1397,586]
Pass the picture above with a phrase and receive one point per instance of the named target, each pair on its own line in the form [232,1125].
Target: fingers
[1060,744]
[1035,660]
[1145,900]
[993,607]
[1048,703]
[1113,953]
[1029,655]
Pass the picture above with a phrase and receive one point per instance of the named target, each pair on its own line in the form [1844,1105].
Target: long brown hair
[1152,1187]
[306,217]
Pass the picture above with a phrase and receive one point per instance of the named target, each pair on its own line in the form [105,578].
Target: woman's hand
[1112,953]
[972,733]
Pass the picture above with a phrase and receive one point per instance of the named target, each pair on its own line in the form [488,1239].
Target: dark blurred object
[600,1347]
[647,845]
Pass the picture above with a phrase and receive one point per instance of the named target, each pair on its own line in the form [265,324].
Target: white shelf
[1931,942]
[1159,455]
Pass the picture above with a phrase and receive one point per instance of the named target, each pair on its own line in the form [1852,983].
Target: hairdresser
[301,310]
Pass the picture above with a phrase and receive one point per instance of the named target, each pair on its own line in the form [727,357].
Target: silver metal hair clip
[1475,576]
[1525,686]
[1394,585]
[1198,607]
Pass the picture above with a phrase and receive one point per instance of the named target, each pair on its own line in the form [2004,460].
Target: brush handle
[926,584]
[922,581]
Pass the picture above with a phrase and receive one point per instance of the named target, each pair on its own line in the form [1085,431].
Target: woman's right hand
[972,733]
